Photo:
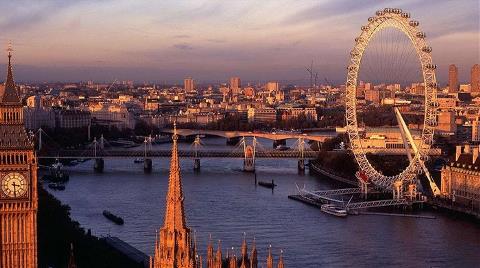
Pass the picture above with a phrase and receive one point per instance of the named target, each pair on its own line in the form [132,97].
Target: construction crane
[114,81]
[313,75]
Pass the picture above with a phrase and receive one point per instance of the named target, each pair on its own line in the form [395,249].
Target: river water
[223,201]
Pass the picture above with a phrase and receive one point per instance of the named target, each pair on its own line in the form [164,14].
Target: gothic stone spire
[174,247]
[10,95]
[270,258]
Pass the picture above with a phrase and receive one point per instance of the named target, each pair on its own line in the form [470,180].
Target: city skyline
[212,40]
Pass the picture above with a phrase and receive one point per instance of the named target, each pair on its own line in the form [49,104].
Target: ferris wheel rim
[391,18]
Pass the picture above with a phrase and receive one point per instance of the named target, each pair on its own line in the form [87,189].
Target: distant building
[36,115]
[265,115]
[475,79]
[373,95]
[235,84]
[476,130]
[272,86]
[461,178]
[72,119]
[465,88]
[249,92]
[446,103]
[112,115]
[446,122]
[189,84]
[152,104]
[291,113]
[452,78]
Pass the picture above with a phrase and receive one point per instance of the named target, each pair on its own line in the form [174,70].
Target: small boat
[335,210]
[56,186]
[138,160]
[112,217]
[282,148]
[267,184]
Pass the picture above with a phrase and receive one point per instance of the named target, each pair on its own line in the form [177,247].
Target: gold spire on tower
[270,257]
[218,256]
[173,248]
[245,263]
[10,92]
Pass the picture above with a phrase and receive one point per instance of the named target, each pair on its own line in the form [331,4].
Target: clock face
[14,185]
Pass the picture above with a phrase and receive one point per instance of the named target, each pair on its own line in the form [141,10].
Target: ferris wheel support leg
[403,126]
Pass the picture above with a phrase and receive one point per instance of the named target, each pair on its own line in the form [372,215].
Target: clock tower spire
[18,182]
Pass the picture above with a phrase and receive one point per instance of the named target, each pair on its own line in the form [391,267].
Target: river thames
[223,201]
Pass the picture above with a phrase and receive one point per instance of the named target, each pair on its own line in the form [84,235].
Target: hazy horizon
[213,40]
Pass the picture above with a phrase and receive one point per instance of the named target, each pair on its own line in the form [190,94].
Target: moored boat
[335,210]
[112,217]
[267,184]
[138,160]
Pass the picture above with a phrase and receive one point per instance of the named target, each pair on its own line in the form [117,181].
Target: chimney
[458,152]
[466,149]
[476,150]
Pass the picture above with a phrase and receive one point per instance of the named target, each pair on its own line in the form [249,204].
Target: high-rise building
[189,84]
[235,83]
[475,79]
[18,177]
[452,78]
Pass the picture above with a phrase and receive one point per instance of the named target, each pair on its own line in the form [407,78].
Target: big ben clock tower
[18,183]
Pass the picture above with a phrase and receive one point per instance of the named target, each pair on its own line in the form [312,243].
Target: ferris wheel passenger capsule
[387,10]
[431,66]
[406,15]
[434,104]
[414,23]
[358,39]
[427,49]
[371,19]
[380,13]
[364,28]
[433,85]
[421,35]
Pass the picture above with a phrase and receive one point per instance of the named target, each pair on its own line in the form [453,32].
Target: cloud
[181,36]
[217,41]
[183,46]
[331,9]
[25,14]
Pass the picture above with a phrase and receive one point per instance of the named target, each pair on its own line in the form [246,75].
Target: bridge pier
[249,165]
[98,165]
[233,141]
[397,190]
[279,142]
[196,164]
[301,165]
[147,165]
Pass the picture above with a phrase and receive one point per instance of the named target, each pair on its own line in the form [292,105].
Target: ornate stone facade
[176,248]
[18,177]
[461,177]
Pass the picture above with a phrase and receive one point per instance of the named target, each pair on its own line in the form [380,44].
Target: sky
[211,40]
